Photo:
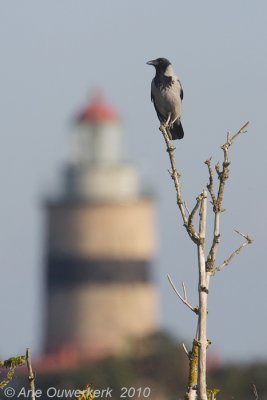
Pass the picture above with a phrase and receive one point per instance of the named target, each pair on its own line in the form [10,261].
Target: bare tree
[207,260]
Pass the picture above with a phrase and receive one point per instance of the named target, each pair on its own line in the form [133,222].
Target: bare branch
[234,253]
[223,175]
[31,376]
[182,298]
[174,173]
[245,236]
[193,372]
[194,211]
[255,392]
[241,130]
[217,169]
[186,351]
[210,184]
[191,394]
[215,243]
[230,140]
[207,266]
[187,209]
[176,179]
[203,297]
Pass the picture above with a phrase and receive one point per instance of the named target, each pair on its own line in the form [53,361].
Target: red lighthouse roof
[98,111]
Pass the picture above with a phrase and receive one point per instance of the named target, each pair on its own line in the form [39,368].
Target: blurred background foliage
[158,362]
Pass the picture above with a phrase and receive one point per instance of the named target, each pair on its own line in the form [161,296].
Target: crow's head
[161,64]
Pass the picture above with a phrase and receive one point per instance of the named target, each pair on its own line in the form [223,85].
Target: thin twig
[234,253]
[230,140]
[210,184]
[31,375]
[241,130]
[245,236]
[184,290]
[194,211]
[182,298]
[187,209]
[186,351]
[223,175]
[255,392]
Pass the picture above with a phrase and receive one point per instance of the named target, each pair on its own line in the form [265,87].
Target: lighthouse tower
[100,244]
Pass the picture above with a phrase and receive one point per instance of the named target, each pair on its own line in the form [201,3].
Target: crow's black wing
[181,91]
[160,116]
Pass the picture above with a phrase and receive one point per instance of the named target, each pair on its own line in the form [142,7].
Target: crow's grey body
[167,95]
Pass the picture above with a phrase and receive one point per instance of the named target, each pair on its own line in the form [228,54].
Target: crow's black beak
[152,62]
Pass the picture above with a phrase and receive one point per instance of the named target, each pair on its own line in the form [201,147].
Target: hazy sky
[53,54]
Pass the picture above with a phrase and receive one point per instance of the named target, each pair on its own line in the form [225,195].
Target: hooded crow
[167,96]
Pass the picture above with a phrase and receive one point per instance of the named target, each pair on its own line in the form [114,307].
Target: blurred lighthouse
[100,245]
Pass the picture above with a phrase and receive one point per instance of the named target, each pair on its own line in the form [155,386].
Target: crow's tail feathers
[176,131]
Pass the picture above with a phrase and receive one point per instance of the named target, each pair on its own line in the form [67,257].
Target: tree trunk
[203,297]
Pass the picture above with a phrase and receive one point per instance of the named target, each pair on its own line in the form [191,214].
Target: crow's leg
[168,120]
[166,125]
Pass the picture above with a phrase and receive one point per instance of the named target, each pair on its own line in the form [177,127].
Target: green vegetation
[10,365]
